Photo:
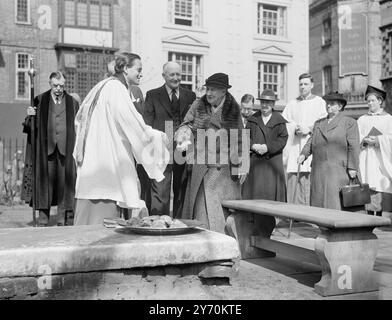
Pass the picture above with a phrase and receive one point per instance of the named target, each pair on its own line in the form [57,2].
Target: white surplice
[117,135]
[376,163]
[302,112]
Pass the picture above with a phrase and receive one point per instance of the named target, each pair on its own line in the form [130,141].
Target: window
[22,77]
[272,76]
[327,32]
[96,14]
[185,12]
[84,70]
[191,69]
[271,20]
[69,11]
[81,10]
[22,11]
[390,54]
[327,79]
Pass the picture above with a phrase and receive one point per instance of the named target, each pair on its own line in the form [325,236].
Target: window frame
[28,22]
[389,72]
[193,20]
[324,82]
[75,73]
[88,15]
[281,74]
[326,41]
[281,19]
[25,70]
[196,76]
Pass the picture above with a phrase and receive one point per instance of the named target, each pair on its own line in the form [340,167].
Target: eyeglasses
[57,85]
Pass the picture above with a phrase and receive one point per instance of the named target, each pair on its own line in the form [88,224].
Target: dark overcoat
[335,150]
[266,178]
[41,102]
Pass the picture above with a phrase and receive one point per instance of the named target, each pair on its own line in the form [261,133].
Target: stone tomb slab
[75,257]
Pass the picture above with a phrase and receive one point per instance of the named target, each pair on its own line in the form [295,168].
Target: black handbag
[355,194]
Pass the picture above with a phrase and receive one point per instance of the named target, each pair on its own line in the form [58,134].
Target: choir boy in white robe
[375,158]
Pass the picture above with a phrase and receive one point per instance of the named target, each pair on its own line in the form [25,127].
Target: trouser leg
[160,194]
[179,188]
[60,186]
[44,214]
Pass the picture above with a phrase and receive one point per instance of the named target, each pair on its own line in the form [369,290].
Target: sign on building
[353,38]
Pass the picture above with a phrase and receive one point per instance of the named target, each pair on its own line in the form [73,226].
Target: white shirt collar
[54,97]
[214,110]
[170,90]
[266,118]
[378,113]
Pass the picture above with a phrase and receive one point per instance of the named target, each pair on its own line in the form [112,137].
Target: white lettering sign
[45,281]
[45,19]
[345,281]
[345,17]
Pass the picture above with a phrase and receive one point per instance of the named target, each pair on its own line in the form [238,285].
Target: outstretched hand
[31,111]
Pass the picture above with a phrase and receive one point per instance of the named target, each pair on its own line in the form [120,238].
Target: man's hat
[218,80]
[335,96]
[376,91]
[267,94]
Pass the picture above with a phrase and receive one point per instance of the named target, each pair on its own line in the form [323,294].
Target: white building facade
[259,44]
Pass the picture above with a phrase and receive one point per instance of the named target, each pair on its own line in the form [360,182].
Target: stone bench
[346,247]
[93,262]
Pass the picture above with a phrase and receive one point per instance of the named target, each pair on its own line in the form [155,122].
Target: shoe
[60,224]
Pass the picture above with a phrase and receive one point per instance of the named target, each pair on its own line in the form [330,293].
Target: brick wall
[168,283]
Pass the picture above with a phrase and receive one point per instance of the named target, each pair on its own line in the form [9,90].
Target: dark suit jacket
[138,95]
[157,107]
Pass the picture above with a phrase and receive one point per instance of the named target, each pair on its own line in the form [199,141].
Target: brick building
[259,43]
[386,29]
[77,37]
[345,48]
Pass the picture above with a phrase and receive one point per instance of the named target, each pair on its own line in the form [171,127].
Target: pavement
[266,279]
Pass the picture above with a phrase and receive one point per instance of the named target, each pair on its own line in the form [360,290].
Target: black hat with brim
[335,96]
[376,91]
[268,95]
[218,80]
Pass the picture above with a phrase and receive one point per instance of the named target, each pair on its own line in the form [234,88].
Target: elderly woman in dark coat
[335,148]
[268,137]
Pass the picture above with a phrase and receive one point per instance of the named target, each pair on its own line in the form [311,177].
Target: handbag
[355,194]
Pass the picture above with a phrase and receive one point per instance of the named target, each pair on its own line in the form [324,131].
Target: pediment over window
[185,39]
[273,50]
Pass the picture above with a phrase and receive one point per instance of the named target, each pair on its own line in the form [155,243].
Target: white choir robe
[117,136]
[304,113]
[376,163]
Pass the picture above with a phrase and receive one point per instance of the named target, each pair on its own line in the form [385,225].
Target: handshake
[182,138]
[301,130]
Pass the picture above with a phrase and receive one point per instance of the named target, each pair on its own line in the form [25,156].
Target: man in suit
[168,103]
[247,107]
[55,138]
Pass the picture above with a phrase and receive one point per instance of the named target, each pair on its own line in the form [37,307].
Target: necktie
[174,97]
[58,100]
